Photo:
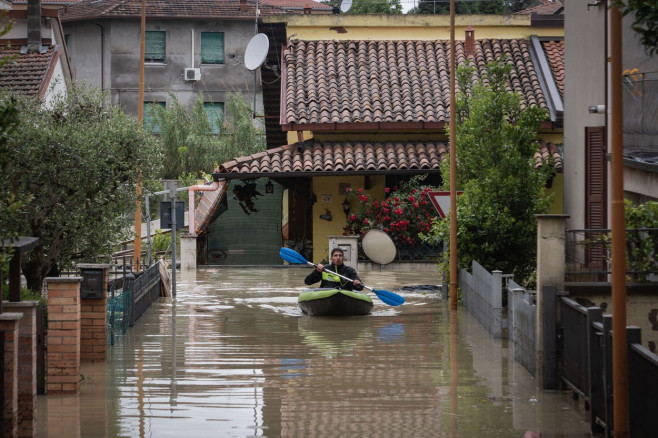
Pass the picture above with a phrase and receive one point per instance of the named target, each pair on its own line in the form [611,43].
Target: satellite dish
[378,247]
[256,51]
[345,5]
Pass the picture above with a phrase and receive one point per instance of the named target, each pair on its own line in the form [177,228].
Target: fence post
[63,335]
[551,229]
[188,251]
[27,365]
[93,317]
[9,327]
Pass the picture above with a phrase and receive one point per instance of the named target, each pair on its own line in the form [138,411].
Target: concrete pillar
[188,251]
[63,335]
[27,366]
[551,247]
[9,327]
[93,319]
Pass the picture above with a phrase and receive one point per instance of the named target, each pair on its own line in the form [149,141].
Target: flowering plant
[406,212]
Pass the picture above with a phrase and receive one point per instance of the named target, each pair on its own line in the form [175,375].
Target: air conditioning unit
[192,74]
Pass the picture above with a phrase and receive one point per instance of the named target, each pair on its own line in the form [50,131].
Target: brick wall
[93,320]
[63,339]
[9,323]
[27,366]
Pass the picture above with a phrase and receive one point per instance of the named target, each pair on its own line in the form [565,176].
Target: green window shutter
[155,45]
[215,113]
[212,47]
[148,121]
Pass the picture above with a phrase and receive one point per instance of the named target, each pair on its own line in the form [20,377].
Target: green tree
[188,143]
[388,7]
[9,203]
[502,189]
[645,24]
[77,161]
[438,7]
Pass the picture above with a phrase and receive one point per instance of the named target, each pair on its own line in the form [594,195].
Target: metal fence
[128,298]
[586,364]
[588,254]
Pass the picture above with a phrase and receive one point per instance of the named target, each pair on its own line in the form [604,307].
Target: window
[155,46]
[148,121]
[67,40]
[215,113]
[212,47]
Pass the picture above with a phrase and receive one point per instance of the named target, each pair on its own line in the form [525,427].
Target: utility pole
[453,164]
[619,340]
[137,245]
[172,192]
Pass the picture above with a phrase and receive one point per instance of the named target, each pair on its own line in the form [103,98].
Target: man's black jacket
[344,270]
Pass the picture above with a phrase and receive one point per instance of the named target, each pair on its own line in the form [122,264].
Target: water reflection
[233,356]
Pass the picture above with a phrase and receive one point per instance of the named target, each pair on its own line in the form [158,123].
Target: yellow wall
[326,190]
[408,27]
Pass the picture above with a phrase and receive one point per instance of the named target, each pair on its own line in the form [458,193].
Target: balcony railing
[588,255]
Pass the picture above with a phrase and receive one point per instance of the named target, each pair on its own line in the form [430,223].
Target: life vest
[328,276]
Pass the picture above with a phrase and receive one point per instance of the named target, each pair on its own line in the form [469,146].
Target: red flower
[387,190]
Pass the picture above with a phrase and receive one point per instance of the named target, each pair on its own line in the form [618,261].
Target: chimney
[469,44]
[33,25]
[243,5]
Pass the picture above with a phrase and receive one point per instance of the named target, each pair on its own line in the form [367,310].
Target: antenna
[345,5]
[256,51]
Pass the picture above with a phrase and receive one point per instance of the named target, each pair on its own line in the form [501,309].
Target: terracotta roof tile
[207,207]
[342,157]
[549,154]
[29,71]
[554,51]
[314,157]
[87,9]
[390,81]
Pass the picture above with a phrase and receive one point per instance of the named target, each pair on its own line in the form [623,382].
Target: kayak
[334,302]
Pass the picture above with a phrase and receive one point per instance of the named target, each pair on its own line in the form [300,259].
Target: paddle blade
[292,256]
[390,298]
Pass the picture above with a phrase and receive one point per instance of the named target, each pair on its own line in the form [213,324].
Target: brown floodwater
[233,356]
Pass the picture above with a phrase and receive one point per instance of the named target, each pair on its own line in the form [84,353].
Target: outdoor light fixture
[346,207]
[269,187]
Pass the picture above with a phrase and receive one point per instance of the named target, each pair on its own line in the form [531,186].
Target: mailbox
[92,283]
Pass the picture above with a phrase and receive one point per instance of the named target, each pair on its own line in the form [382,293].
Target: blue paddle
[292,256]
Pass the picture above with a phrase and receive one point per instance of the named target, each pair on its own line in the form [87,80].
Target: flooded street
[233,356]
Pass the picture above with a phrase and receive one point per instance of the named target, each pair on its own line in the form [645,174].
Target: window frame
[218,107]
[154,60]
[148,123]
[205,56]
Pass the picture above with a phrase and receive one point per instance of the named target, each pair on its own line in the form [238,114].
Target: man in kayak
[334,281]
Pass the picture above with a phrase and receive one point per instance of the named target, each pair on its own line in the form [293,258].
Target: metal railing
[586,363]
[588,254]
[129,297]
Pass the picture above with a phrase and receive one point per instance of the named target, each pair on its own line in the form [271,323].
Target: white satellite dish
[345,5]
[256,51]
[379,247]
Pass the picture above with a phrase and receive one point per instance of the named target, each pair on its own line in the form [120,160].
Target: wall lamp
[346,207]
[596,109]
[269,187]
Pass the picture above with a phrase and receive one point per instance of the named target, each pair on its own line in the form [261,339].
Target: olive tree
[77,162]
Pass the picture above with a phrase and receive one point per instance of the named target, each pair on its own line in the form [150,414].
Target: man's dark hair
[337,250]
